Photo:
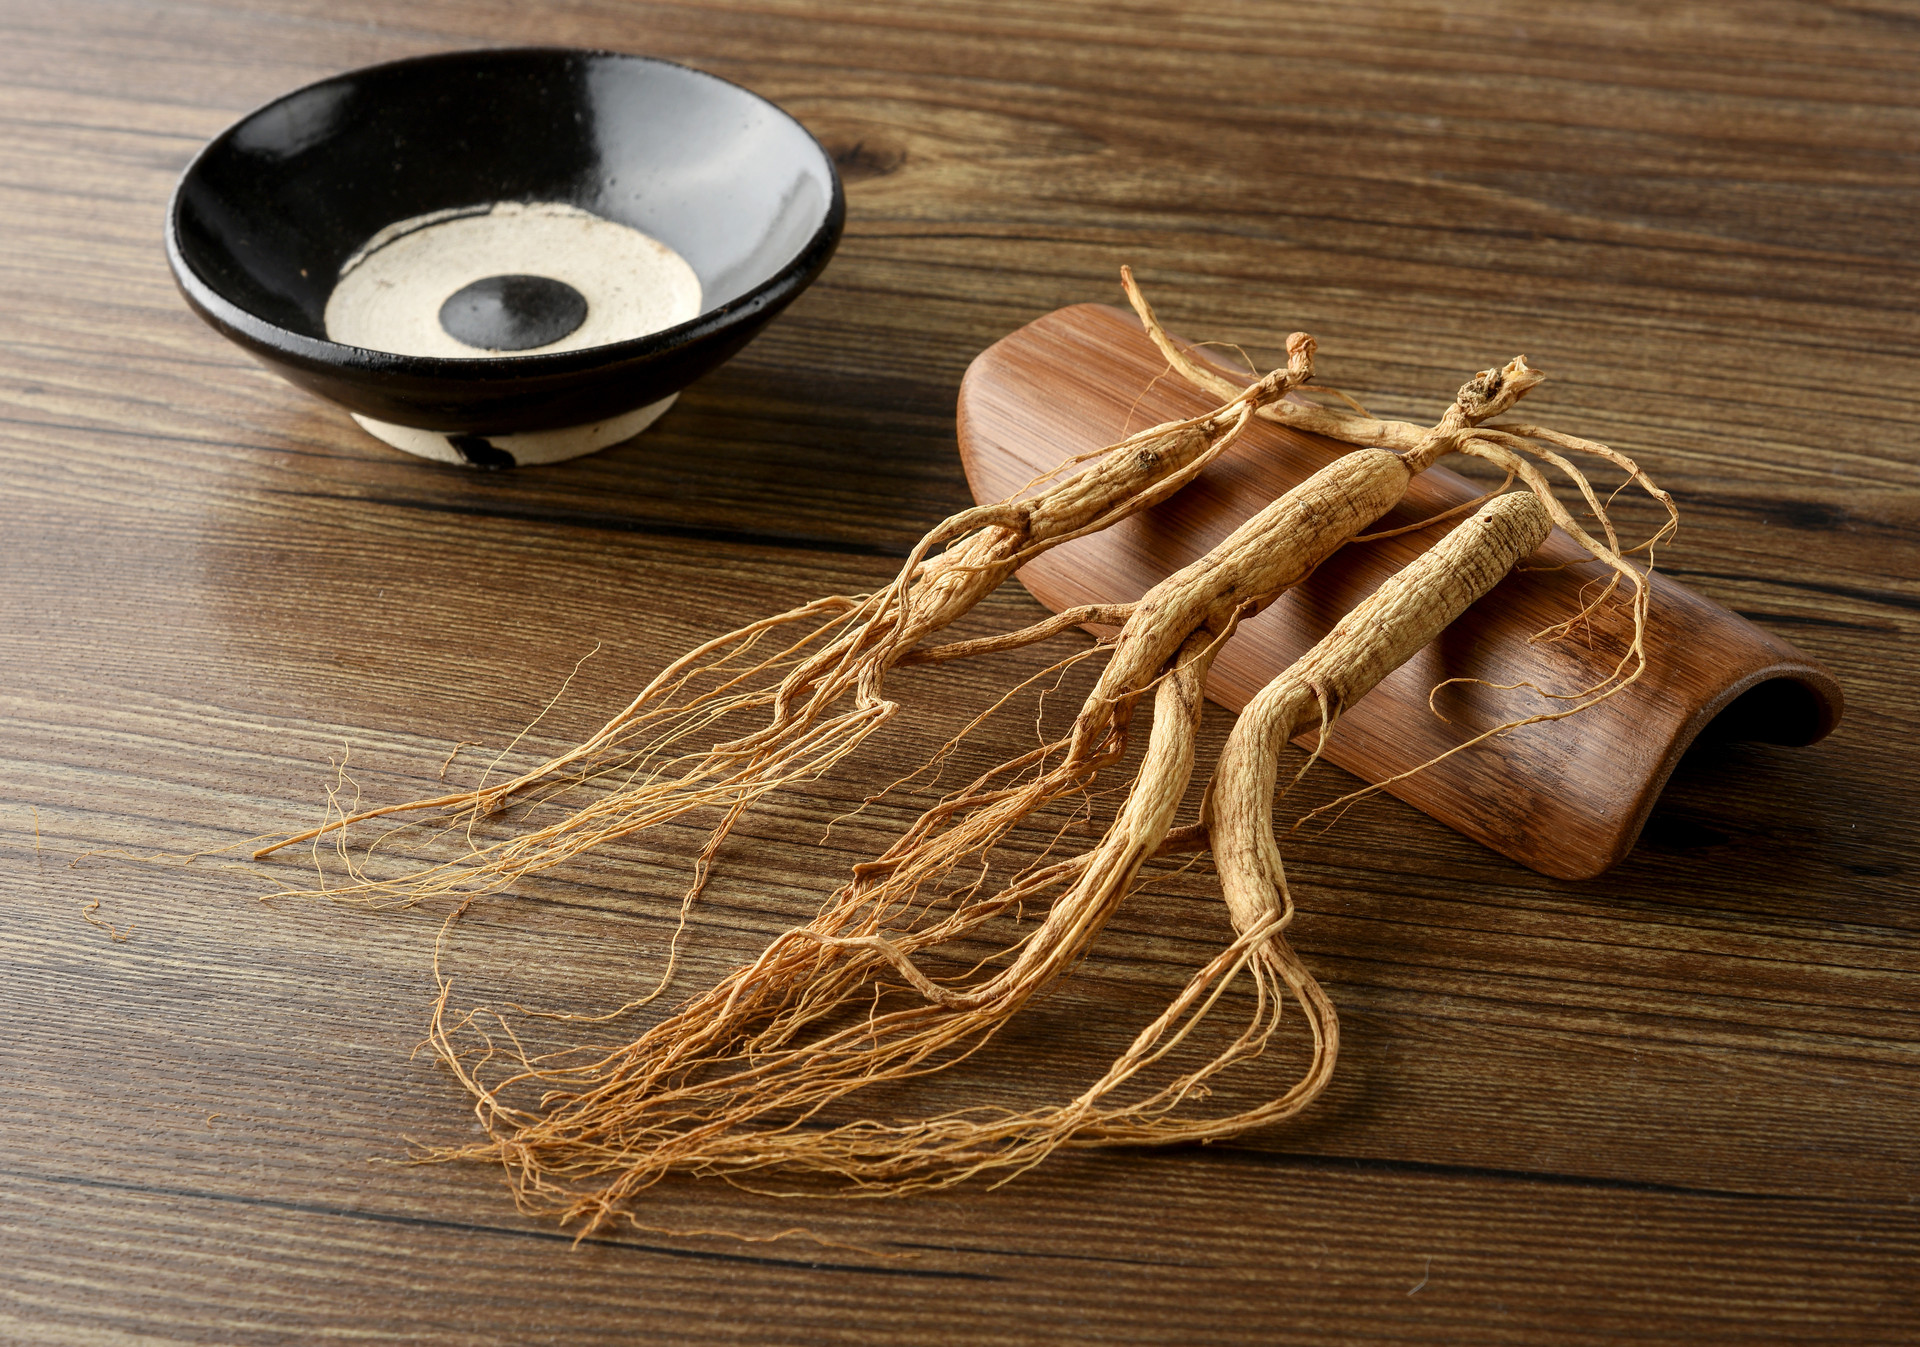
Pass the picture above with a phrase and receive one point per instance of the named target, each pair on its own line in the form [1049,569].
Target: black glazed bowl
[267,214]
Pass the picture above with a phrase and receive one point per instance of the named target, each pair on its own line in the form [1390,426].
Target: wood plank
[1567,799]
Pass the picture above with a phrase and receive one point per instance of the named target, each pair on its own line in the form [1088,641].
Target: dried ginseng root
[813,677]
[728,1083]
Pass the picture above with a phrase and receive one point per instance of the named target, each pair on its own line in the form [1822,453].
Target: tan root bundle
[750,1078]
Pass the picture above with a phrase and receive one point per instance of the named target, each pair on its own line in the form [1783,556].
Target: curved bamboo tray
[1566,798]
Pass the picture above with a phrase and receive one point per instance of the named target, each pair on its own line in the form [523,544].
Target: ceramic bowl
[507,256]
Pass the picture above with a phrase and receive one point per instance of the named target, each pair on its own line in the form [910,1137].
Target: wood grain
[1568,799]
[1673,1103]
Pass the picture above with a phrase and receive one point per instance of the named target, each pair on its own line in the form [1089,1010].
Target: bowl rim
[323,354]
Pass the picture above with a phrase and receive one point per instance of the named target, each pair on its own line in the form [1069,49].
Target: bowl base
[524,449]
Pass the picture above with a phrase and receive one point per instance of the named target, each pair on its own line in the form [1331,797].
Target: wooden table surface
[1678,1102]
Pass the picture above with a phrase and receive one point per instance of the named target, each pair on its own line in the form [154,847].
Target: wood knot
[866,158]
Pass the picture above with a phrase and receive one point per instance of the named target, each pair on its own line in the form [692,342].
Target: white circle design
[389,293]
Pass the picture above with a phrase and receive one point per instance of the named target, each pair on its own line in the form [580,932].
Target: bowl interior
[274,207]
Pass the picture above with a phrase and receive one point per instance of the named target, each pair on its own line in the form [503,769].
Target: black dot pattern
[513,313]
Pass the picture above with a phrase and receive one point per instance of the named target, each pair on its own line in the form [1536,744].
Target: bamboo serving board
[1567,798]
